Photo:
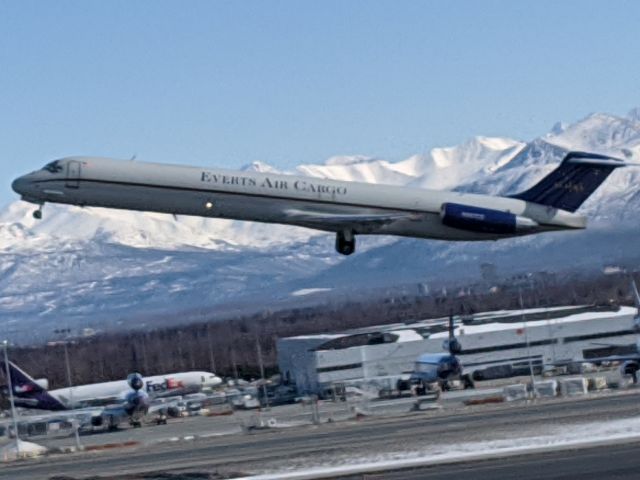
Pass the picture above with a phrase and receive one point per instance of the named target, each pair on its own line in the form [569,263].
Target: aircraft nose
[19,185]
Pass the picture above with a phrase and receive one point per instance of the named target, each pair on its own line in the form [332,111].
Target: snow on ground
[27,449]
[556,438]
[309,291]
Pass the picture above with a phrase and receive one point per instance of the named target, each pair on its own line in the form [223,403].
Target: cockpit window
[53,167]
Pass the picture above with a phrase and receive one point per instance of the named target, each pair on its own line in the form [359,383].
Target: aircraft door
[73,174]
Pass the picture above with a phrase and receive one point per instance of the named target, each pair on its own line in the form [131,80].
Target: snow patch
[559,437]
[21,449]
[309,291]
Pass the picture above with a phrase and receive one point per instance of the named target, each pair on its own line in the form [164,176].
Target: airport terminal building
[493,344]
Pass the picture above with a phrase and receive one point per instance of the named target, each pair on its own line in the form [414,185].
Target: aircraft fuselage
[335,206]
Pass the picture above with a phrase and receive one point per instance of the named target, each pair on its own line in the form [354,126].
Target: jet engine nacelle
[630,367]
[485,220]
[136,403]
[135,381]
[97,421]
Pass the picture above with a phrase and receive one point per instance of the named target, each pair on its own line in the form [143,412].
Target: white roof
[505,320]
[407,335]
[496,326]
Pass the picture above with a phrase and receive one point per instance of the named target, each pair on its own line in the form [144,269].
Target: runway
[612,461]
[370,439]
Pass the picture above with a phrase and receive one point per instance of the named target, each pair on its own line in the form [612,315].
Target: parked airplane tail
[569,185]
[27,393]
[636,295]
[636,302]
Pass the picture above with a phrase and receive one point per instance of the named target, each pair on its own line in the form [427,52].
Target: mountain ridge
[88,265]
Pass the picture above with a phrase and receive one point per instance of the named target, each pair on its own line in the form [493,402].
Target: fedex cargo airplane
[30,393]
[345,208]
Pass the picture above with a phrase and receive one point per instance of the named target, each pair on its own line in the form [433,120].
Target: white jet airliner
[30,393]
[346,208]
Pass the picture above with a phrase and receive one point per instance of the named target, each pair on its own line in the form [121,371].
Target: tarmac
[613,461]
[474,441]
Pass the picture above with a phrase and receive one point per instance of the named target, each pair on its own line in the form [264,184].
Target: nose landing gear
[345,242]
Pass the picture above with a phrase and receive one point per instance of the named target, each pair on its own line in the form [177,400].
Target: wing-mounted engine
[135,381]
[134,407]
[630,367]
[484,220]
[136,402]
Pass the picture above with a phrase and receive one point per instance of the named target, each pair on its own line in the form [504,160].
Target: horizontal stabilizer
[569,185]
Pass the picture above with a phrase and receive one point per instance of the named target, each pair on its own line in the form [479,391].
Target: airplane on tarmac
[134,405]
[439,369]
[346,208]
[30,393]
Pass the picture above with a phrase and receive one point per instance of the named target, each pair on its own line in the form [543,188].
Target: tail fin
[636,295]
[636,302]
[569,185]
[27,393]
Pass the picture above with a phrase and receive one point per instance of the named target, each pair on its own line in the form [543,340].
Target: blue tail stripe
[569,185]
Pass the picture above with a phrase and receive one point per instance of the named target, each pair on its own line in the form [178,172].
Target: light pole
[5,344]
[235,365]
[71,405]
[264,381]
[526,339]
[145,364]
[212,360]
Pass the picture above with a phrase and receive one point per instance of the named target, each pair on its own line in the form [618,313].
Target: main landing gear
[37,214]
[345,242]
[468,382]
[135,423]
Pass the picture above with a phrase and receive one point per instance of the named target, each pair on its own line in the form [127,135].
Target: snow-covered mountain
[90,267]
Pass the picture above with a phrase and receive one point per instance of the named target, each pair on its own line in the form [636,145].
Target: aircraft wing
[161,407]
[82,415]
[95,402]
[359,221]
[114,415]
[175,392]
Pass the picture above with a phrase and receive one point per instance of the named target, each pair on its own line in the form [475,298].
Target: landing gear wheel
[421,389]
[112,424]
[345,243]
[37,214]
[468,382]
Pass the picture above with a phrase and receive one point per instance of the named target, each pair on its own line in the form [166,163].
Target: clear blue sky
[287,82]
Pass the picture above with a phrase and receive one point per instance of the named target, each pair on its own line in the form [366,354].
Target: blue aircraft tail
[569,185]
[27,393]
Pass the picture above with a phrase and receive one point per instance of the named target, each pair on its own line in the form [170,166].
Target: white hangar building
[492,342]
